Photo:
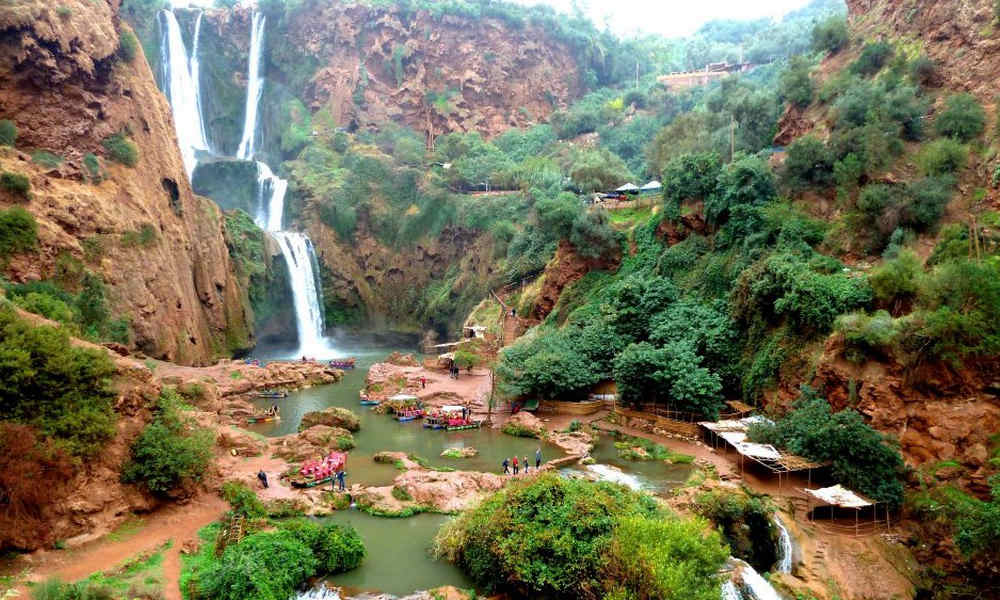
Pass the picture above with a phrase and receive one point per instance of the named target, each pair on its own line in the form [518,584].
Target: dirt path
[175,523]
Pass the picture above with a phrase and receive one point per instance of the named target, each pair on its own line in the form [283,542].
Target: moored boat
[268,419]
[317,472]
[343,363]
[272,394]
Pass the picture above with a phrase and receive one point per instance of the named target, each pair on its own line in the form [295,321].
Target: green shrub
[128,45]
[93,166]
[554,538]
[873,57]
[337,548]
[518,430]
[61,389]
[46,159]
[243,501]
[868,336]
[8,132]
[831,35]
[690,177]
[64,12]
[16,183]
[264,566]
[746,523]
[49,307]
[808,163]
[963,118]
[121,149]
[923,70]
[170,450]
[897,281]
[942,157]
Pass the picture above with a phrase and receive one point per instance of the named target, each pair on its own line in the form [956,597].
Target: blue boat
[369,403]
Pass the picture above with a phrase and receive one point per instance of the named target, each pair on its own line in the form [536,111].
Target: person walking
[515,465]
[423,382]
[525,464]
[262,476]
[506,466]
[538,457]
[340,480]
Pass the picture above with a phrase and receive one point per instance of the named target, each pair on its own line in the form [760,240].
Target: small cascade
[300,257]
[747,584]
[255,87]
[194,68]
[319,593]
[181,89]
[614,475]
[785,545]
[271,198]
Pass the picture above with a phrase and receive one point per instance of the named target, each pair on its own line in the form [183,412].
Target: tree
[690,177]
[809,163]
[746,180]
[830,36]
[795,86]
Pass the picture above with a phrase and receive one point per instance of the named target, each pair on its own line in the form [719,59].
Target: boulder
[526,420]
[333,416]
[448,491]
[576,443]
[402,360]
[466,452]
[317,441]
[242,442]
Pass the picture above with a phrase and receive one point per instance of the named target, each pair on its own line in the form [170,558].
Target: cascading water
[319,593]
[614,475]
[181,89]
[271,191]
[785,545]
[255,87]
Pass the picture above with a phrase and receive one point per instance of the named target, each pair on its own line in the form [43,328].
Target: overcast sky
[672,17]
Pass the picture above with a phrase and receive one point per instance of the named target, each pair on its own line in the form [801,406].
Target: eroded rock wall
[67,90]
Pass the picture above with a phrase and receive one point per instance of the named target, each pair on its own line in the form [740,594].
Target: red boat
[318,472]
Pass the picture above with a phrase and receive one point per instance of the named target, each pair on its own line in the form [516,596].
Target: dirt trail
[175,523]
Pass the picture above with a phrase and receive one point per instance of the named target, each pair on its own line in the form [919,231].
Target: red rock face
[959,35]
[937,413]
[64,87]
[492,75]
[565,269]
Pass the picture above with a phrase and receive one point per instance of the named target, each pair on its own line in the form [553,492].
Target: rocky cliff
[68,88]
[960,36]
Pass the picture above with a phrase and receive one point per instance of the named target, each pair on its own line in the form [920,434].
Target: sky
[672,18]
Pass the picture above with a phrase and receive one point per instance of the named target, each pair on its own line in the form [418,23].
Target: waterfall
[785,543]
[195,69]
[255,87]
[270,198]
[182,90]
[299,255]
[615,475]
[746,584]
[319,593]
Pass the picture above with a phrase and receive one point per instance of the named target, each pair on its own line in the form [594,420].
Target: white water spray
[255,87]
[785,544]
[299,256]
[751,585]
[614,475]
[180,77]
[271,191]
[319,593]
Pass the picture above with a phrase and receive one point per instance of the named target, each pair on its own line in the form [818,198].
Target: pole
[732,137]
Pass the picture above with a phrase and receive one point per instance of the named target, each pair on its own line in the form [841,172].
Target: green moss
[16,183]
[8,132]
[121,149]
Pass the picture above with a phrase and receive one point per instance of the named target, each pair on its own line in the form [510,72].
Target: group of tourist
[512,463]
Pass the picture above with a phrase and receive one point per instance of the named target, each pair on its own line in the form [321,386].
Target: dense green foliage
[746,523]
[8,132]
[863,459]
[171,450]
[795,85]
[830,35]
[128,45]
[75,298]
[270,565]
[18,231]
[963,118]
[62,390]
[555,538]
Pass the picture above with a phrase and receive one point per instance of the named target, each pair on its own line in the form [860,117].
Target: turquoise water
[399,560]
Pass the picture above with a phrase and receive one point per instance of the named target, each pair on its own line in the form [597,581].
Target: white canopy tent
[628,188]
[652,186]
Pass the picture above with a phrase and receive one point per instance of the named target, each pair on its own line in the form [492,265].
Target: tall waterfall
[181,77]
[255,87]
[181,88]
[295,247]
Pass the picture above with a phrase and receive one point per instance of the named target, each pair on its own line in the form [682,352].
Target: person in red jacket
[515,465]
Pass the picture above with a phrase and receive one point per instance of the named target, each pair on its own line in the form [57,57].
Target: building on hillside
[679,80]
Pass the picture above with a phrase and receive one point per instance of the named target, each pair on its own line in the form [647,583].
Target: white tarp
[652,185]
[452,408]
[838,495]
[733,437]
[724,425]
[402,397]
[628,187]
[764,451]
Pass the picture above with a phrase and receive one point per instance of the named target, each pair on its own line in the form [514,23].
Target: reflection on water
[399,560]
